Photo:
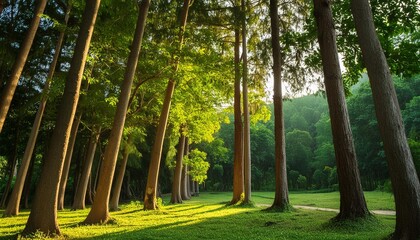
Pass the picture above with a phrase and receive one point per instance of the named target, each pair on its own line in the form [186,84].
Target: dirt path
[377,212]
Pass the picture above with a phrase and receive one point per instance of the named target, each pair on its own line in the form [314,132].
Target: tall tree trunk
[43,216]
[176,184]
[13,205]
[281,197]
[246,133]
[404,179]
[238,162]
[82,186]
[352,200]
[152,178]
[116,189]
[9,90]
[89,197]
[100,210]
[67,162]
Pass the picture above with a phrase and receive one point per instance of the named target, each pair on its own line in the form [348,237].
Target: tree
[405,182]
[352,200]
[43,216]
[281,197]
[152,178]
[238,167]
[99,212]
[9,90]
[246,123]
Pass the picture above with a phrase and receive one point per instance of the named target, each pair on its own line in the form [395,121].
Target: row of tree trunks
[281,197]
[352,200]
[9,90]
[67,162]
[152,178]
[14,202]
[11,164]
[176,184]
[99,212]
[116,189]
[82,185]
[404,179]
[43,216]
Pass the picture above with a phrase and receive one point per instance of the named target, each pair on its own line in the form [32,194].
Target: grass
[208,217]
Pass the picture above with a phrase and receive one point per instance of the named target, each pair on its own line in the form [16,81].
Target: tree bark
[152,178]
[43,216]
[67,162]
[82,186]
[281,197]
[184,184]
[27,187]
[9,90]
[405,182]
[116,190]
[238,162]
[14,202]
[246,133]
[176,184]
[99,212]
[352,200]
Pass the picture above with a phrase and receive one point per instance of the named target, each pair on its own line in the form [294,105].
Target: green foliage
[198,165]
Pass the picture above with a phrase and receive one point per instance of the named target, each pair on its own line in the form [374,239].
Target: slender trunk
[404,179]
[238,167]
[176,184]
[100,210]
[9,90]
[116,190]
[197,189]
[89,198]
[98,168]
[82,186]
[281,198]
[67,162]
[43,216]
[13,205]
[352,200]
[246,133]
[152,178]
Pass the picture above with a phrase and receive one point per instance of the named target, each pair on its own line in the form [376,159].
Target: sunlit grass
[208,217]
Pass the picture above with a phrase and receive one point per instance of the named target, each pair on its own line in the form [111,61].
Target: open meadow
[208,217]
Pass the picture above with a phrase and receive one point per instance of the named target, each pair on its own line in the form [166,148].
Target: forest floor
[208,217]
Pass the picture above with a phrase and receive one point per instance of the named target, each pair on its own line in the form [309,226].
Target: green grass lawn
[208,217]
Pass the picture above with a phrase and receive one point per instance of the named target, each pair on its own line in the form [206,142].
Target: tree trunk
[152,178]
[405,182]
[100,211]
[197,189]
[238,167]
[187,175]
[82,186]
[176,184]
[116,190]
[281,197]
[14,202]
[9,90]
[43,216]
[246,133]
[184,184]
[67,162]
[352,200]
[89,197]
